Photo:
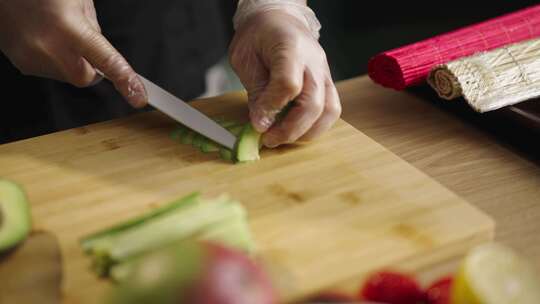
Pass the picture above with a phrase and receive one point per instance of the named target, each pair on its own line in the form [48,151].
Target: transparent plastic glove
[278,59]
[61,39]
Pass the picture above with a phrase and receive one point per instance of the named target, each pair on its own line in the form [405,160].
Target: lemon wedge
[494,274]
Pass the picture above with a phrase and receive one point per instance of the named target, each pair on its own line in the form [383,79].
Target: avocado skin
[15,219]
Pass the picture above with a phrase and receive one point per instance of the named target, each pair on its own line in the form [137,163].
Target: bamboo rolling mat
[491,80]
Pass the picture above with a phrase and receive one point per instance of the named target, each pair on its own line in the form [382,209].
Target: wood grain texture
[321,213]
[33,272]
[499,173]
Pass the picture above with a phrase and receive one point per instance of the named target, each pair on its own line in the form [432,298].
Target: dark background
[196,37]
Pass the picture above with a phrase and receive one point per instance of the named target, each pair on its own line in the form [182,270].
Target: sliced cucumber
[197,141]
[209,146]
[176,134]
[169,225]
[241,131]
[173,226]
[234,232]
[88,242]
[164,262]
[184,133]
[226,154]
[187,138]
[15,219]
[248,144]
[181,134]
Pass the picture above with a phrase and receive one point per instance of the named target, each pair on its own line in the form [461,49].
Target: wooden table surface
[486,159]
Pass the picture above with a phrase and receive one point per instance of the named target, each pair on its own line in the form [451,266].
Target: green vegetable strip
[171,227]
[183,133]
[180,261]
[226,154]
[197,140]
[232,232]
[187,138]
[248,144]
[189,200]
[176,134]
[209,146]
[202,221]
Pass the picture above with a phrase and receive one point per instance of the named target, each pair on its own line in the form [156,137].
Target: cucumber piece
[165,276]
[190,223]
[246,148]
[226,154]
[233,232]
[90,241]
[164,261]
[248,144]
[183,133]
[15,219]
[209,146]
[187,138]
[171,227]
[198,141]
[176,134]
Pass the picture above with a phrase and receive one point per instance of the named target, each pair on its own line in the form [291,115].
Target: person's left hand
[278,61]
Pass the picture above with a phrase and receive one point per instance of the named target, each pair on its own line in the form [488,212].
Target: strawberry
[439,292]
[392,288]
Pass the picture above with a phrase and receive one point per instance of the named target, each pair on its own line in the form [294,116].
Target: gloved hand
[278,59]
[61,39]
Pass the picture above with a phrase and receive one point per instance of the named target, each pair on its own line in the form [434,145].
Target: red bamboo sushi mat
[409,65]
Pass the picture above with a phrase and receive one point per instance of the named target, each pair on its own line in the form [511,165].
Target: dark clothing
[171,42]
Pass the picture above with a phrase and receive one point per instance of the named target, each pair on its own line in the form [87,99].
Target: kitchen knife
[182,112]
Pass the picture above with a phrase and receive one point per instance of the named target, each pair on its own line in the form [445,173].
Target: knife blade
[182,112]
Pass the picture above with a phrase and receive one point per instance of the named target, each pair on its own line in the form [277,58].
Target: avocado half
[15,219]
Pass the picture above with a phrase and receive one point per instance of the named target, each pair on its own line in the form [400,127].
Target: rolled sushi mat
[491,80]
[410,65]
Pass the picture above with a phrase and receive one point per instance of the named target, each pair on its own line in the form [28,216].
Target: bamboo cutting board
[322,213]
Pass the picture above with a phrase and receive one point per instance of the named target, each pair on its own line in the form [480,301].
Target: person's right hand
[62,40]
